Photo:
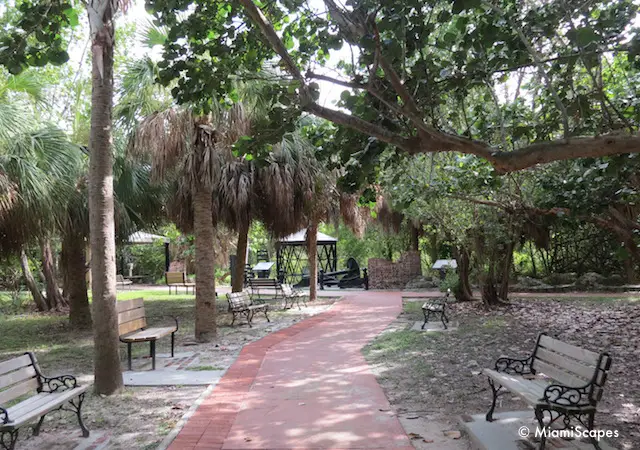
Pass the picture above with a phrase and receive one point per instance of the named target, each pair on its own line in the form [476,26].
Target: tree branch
[439,141]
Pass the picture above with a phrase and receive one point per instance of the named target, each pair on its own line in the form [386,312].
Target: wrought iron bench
[436,307]
[260,284]
[292,296]
[561,381]
[179,279]
[132,327]
[240,304]
[21,379]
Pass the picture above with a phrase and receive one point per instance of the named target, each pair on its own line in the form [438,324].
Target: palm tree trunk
[74,268]
[107,371]
[54,296]
[205,265]
[241,252]
[312,252]
[38,299]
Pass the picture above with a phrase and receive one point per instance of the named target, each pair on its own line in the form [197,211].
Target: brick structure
[385,274]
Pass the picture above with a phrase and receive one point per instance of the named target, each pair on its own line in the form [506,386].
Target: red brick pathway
[306,386]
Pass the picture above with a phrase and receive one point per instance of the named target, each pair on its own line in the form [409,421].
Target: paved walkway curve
[307,386]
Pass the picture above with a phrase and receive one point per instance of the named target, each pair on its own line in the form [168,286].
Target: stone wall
[385,274]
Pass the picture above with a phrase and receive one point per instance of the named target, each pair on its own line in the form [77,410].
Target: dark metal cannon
[349,277]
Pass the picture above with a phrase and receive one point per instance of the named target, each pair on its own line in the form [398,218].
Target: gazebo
[142,237]
[291,258]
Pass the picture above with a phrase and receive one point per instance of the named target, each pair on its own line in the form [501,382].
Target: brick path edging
[209,425]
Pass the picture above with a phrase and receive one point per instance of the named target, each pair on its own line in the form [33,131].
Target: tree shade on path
[307,386]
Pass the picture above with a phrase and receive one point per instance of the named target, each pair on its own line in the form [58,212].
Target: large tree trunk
[488,288]
[75,280]
[312,252]
[31,283]
[205,266]
[464,293]
[414,238]
[54,296]
[241,254]
[503,293]
[107,370]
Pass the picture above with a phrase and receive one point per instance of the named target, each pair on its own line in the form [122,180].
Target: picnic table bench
[436,307]
[240,303]
[179,279]
[37,395]
[260,284]
[292,296]
[122,281]
[132,327]
[560,380]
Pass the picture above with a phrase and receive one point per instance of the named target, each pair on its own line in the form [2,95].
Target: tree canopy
[515,83]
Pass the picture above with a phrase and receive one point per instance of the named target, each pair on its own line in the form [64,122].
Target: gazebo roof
[142,237]
[298,238]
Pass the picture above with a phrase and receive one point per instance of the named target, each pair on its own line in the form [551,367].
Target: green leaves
[38,36]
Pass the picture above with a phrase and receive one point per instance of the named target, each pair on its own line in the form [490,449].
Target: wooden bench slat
[18,390]
[30,403]
[126,305]
[131,315]
[572,351]
[16,376]
[132,326]
[530,390]
[149,333]
[51,401]
[559,374]
[569,365]
[15,363]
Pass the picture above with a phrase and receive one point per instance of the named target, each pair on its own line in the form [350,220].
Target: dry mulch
[439,374]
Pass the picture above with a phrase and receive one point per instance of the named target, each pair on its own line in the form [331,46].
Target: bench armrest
[560,395]
[4,415]
[165,316]
[57,384]
[514,366]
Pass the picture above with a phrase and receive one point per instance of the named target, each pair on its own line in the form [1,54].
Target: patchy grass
[202,368]
[58,347]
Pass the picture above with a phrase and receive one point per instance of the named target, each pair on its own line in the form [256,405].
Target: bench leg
[152,350]
[590,425]
[249,317]
[444,320]
[495,391]
[543,438]
[426,317]
[76,406]
[173,341]
[36,429]
[266,310]
[8,439]
[234,317]
[129,354]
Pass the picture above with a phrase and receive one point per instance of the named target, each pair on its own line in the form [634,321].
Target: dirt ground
[438,375]
[140,417]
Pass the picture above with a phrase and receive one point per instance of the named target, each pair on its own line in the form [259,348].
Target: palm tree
[187,149]
[298,191]
[39,167]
